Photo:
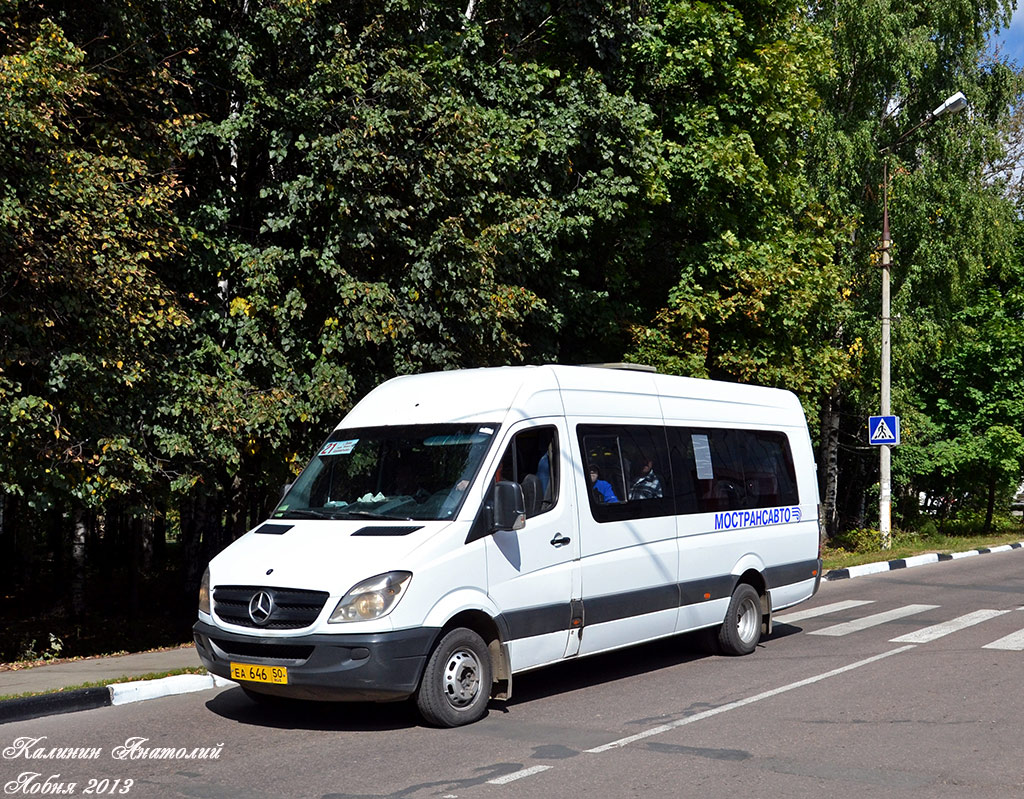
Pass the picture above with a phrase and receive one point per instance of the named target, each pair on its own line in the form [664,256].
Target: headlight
[204,593]
[371,598]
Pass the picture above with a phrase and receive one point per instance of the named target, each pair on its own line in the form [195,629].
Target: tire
[741,629]
[456,684]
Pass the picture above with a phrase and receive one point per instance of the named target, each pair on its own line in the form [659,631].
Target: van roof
[496,393]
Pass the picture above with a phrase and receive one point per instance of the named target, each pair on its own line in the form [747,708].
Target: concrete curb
[907,563]
[34,707]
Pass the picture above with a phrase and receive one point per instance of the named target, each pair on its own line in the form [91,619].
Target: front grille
[292,609]
[246,649]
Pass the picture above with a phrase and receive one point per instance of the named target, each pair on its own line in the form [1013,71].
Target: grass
[907,545]
[156,675]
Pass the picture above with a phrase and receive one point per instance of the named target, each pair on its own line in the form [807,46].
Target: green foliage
[756,292]
[857,540]
[52,652]
[84,234]
[973,451]
[221,223]
[382,192]
[951,223]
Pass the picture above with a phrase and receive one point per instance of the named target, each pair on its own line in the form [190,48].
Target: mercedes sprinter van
[460,527]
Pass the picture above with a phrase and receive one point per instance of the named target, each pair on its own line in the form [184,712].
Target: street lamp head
[954,103]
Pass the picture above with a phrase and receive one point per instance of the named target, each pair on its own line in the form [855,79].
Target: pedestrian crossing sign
[884,430]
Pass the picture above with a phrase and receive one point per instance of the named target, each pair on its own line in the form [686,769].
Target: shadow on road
[299,714]
[623,664]
[571,675]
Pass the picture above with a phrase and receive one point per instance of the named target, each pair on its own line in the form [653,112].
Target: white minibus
[461,527]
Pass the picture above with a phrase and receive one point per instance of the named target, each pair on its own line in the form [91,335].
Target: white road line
[927,634]
[872,621]
[744,702]
[1014,642]
[835,607]
[517,775]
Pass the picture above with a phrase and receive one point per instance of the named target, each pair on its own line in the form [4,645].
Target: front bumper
[381,667]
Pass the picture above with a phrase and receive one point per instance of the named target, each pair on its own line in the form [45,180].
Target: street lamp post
[954,103]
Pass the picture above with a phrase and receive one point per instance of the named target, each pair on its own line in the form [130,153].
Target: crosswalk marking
[936,631]
[1010,643]
[872,621]
[835,607]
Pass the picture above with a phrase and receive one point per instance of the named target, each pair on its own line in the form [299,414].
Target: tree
[976,388]
[84,309]
[381,191]
[756,288]
[950,223]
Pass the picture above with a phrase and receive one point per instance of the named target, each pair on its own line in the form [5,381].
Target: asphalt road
[908,686]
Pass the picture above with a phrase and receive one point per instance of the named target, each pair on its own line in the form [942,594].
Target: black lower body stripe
[554,618]
[613,607]
[529,622]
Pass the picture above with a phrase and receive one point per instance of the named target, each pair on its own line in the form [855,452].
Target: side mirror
[509,506]
[284,490]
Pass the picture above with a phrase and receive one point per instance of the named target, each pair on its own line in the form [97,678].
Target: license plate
[277,675]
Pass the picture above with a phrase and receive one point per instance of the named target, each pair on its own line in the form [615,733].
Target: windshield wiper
[369,514]
[308,513]
[337,513]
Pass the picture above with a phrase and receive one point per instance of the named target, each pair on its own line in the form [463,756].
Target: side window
[627,471]
[719,470]
[531,459]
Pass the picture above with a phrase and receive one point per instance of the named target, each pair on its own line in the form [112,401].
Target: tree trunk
[145,544]
[828,462]
[160,538]
[237,506]
[191,538]
[78,536]
[861,497]
[991,506]
[8,546]
[141,543]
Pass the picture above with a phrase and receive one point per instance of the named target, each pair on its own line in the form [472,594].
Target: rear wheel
[456,682]
[741,629]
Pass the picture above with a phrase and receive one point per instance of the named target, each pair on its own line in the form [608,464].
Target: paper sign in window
[702,457]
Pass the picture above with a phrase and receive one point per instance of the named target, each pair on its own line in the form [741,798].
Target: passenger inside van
[646,484]
[602,488]
[531,460]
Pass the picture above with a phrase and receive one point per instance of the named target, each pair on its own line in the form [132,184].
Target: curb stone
[907,563]
[33,707]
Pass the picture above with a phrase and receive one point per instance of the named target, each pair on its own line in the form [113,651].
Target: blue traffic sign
[884,430]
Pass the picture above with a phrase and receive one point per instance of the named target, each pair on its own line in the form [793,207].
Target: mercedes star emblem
[260,607]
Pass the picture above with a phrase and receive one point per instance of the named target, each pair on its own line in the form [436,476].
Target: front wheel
[741,629]
[456,682]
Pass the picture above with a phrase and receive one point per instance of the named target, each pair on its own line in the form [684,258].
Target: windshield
[402,472]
